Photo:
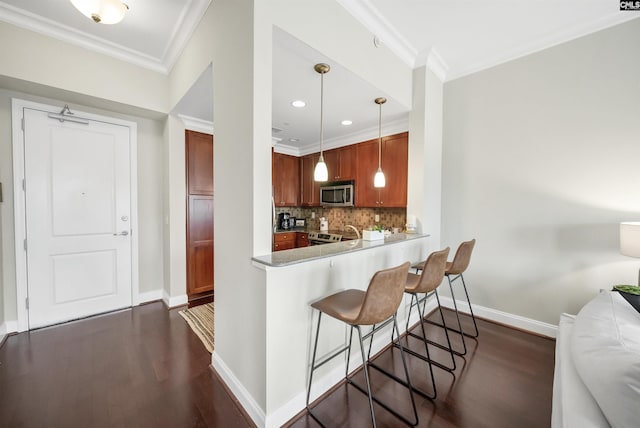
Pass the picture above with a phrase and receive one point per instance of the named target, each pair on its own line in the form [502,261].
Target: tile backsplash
[361,218]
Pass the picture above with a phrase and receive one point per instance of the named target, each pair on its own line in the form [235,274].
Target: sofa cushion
[605,347]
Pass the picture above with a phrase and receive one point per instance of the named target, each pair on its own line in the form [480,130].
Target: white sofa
[597,373]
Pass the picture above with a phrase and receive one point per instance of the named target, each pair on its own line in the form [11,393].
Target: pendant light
[321,173]
[378,180]
[102,11]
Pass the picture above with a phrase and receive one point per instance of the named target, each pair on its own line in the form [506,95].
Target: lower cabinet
[289,240]
[302,239]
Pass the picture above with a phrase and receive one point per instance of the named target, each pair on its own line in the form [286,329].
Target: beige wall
[78,70]
[540,164]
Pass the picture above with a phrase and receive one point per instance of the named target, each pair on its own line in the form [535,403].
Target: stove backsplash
[361,218]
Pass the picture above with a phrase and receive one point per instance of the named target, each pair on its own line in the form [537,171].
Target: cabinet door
[340,163]
[286,180]
[367,155]
[332,159]
[347,162]
[310,189]
[302,239]
[395,159]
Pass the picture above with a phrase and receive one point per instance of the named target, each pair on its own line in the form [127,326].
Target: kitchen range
[319,238]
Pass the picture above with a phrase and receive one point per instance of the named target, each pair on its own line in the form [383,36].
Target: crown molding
[182,32]
[437,65]
[374,21]
[388,128]
[557,38]
[195,124]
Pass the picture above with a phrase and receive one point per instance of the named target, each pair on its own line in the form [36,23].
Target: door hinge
[24,185]
[25,245]
[26,302]
[22,124]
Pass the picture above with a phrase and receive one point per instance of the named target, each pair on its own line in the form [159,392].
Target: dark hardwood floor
[135,368]
[504,380]
[144,367]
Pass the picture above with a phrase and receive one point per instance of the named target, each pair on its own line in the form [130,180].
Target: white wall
[540,164]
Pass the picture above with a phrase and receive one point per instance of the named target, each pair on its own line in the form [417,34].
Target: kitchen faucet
[354,228]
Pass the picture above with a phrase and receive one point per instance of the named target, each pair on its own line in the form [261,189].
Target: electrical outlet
[313,214]
[377,218]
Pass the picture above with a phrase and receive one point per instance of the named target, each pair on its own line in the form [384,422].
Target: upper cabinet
[341,163]
[286,180]
[309,188]
[394,162]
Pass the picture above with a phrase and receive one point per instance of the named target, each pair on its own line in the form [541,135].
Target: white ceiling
[453,38]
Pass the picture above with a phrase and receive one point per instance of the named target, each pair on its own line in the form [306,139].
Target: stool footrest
[402,382]
[427,359]
[377,400]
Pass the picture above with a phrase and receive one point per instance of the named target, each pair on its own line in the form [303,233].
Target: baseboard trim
[510,320]
[174,301]
[149,296]
[245,399]
[6,329]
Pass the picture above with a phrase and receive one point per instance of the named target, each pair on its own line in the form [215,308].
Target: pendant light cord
[321,111]
[380,137]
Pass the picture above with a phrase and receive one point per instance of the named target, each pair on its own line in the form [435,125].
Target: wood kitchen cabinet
[284,241]
[302,239]
[286,180]
[309,188]
[341,163]
[199,213]
[394,160]
[289,240]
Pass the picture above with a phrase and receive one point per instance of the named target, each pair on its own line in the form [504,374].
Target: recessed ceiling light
[293,140]
[346,122]
[298,103]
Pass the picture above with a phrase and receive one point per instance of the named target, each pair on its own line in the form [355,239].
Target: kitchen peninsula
[297,277]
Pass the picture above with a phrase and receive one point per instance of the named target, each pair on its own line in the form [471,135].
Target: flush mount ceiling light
[346,122]
[298,103]
[378,179]
[321,173]
[102,11]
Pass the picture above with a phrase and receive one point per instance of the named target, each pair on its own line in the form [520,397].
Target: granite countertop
[300,255]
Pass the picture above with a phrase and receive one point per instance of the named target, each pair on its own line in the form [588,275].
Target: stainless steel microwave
[337,195]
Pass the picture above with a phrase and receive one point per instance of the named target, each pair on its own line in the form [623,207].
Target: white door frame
[19,208]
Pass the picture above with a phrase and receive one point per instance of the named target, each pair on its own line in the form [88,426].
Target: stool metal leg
[473,317]
[313,362]
[406,383]
[366,375]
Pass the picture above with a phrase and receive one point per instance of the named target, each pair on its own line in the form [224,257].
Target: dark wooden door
[199,164]
[310,189]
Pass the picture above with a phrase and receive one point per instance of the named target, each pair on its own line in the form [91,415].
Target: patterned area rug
[200,319]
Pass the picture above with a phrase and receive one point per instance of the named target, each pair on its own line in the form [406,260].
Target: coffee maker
[283,221]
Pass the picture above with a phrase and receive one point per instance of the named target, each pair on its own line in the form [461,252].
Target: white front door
[77,197]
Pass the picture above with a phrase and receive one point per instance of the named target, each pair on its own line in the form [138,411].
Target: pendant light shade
[321,173]
[378,179]
[102,11]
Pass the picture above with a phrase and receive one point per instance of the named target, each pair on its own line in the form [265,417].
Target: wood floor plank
[144,367]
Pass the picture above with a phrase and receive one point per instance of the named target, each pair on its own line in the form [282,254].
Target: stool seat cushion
[343,305]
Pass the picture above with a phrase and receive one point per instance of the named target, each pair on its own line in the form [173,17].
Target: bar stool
[427,283]
[455,269]
[357,308]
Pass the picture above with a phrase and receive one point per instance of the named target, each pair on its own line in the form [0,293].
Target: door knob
[123,233]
